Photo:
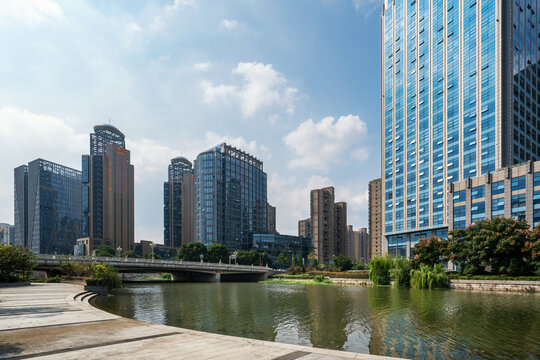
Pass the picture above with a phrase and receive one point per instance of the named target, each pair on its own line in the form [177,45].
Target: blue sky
[296,83]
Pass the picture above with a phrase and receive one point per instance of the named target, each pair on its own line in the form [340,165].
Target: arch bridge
[180,270]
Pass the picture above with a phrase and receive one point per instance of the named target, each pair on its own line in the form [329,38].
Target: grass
[325,282]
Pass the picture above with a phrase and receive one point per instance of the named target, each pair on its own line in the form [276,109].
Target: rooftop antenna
[109,121]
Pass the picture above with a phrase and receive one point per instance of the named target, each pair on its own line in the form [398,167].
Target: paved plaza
[56,321]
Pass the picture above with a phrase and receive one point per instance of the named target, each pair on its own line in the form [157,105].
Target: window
[459,196]
[518,206]
[497,188]
[478,192]
[518,183]
[497,207]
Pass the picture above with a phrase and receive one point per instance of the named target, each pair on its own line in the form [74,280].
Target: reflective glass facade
[173,198]
[459,100]
[230,197]
[52,209]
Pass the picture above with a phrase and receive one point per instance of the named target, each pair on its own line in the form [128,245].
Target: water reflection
[423,324]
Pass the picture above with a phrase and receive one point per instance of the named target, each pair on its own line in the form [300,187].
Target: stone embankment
[56,321]
[496,285]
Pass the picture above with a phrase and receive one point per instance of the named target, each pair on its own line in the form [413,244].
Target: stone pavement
[55,321]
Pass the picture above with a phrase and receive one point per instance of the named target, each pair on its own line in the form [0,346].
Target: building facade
[358,244]
[304,228]
[5,233]
[271,218]
[47,207]
[323,226]
[274,244]
[108,192]
[375,218]
[230,197]
[178,203]
[340,211]
[511,192]
[459,82]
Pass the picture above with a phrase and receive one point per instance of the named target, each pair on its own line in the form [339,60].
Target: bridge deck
[51,321]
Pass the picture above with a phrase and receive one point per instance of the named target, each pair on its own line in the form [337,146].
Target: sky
[295,83]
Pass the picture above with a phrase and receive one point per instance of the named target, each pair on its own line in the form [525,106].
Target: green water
[423,324]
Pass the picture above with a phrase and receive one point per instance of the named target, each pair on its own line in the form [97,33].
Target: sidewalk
[55,321]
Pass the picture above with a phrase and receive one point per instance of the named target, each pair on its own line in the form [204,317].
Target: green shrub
[318,278]
[75,268]
[53,279]
[104,275]
[379,270]
[16,263]
[166,276]
[401,272]
[428,278]
[363,274]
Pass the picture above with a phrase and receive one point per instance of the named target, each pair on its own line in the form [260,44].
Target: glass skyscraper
[178,204]
[108,194]
[230,193]
[459,99]
[47,207]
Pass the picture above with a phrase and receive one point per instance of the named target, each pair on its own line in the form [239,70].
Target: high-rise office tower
[340,211]
[271,218]
[230,193]
[375,222]
[459,82]
[178,206]
[323,224]
[47,207]
[108,196]
[304,228]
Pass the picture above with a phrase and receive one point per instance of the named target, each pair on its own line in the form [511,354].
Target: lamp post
[152,244]
[201,256]
[118,251]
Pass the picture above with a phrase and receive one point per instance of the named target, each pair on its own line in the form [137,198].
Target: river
[409,323]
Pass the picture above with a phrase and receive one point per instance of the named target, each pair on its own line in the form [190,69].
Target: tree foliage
[104,275]
[428,251]
[379,269]
[401,271]
[105,251]
[155,256]
[494,246]
[130,254]
[217,252]
[342,262]
[192,251]
[253,257]
[16,263]
[531,250]
[429,278]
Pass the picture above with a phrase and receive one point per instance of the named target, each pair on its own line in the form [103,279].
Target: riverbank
[57,321]
[457,284]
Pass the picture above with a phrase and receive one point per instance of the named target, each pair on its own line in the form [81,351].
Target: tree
[104,250]
[130,254]
[217,252]
[379,270]
[343,262]
[156,256]
[192,251]
[283,258]
[494,246]
[531,251]
[428,251]
[401,271]
[16,263]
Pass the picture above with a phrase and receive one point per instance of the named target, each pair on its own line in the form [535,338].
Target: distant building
[145,248]
[12,234]
[358,244]
[375,219]
[304,228]
[47,207]
[323,224]
[511,192]
[5,233]
[271,218]
[178,203]
[108,191]
[274,244]
[340,211]
[230,195]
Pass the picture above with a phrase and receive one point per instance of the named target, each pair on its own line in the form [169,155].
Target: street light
[201,256]
[118,251]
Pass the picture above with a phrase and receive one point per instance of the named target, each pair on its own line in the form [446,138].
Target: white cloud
[29,12]
[367,7]
[202,66]
[178,4]
[262,87]
[228,24]
[251,147]
[318,145]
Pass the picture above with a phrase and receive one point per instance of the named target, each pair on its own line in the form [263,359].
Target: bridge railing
[125,261]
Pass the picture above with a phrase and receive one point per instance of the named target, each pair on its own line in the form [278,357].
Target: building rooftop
[108,127]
